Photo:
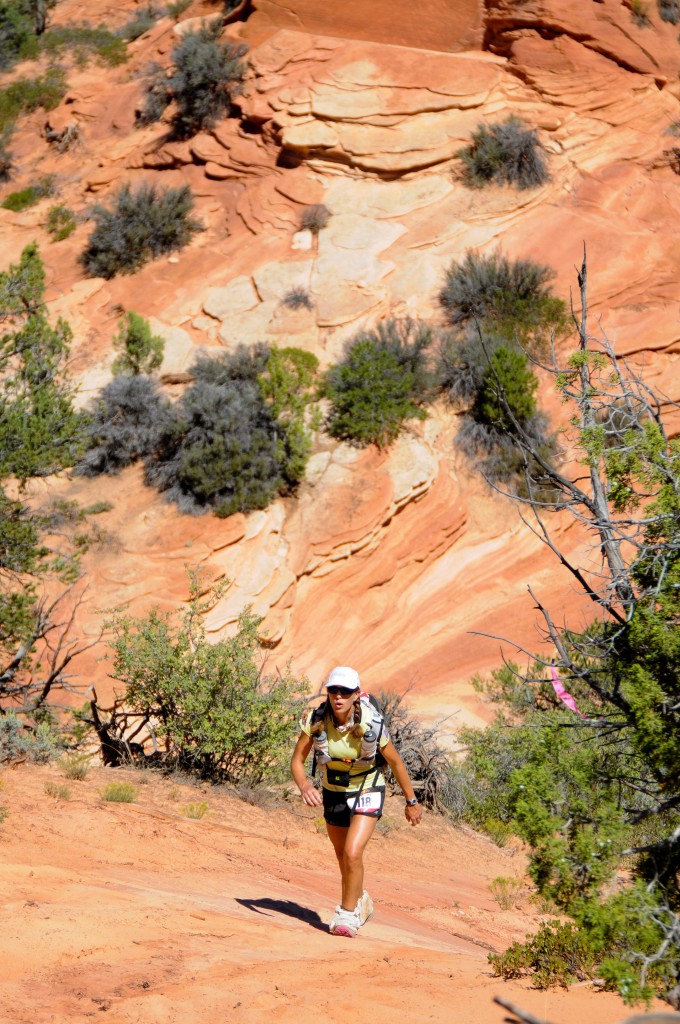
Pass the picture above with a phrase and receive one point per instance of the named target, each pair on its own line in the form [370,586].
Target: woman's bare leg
[349,845]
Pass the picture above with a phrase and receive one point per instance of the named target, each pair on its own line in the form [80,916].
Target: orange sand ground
[141,913]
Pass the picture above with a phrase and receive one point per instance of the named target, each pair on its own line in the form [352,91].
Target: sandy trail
[138,912]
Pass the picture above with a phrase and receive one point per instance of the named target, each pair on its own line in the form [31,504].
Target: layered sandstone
[392,561]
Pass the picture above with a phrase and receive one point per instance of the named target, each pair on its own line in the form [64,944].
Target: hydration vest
[368,727]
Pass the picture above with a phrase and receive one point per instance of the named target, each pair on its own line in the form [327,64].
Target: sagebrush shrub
[669,10]
[157,96]
[297,298]
[140,23]
[126,421]
[19,741]
[244,363]
[314,218]
[501,461]
[220,450]
[507,152]
[142,225]
[462,361]
[512,298]
[207,77]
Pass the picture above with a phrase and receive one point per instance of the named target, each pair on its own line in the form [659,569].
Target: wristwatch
[412,803]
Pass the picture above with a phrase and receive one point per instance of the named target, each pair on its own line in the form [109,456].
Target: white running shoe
[344,922]
[364,908]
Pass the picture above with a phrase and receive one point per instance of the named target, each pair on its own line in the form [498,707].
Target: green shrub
[410,342]
[25,95]
[18,39]
[207,77]
[639,11]
[57,791]
[381,382]
[97,508]
[506,891]
[142,225]
[142,351]
[215,710]
[31,195]
[76,767]
[508,390]
[506,152]
[287,385]
[509,298]
[4,812]
[6,159]
[140,23]
[314,218]
[125,424]
[40,431]
[669,10]
[196,810]
[177,8]
[61,222]
[559,954]
[370,396]
[83,41]
[120,793]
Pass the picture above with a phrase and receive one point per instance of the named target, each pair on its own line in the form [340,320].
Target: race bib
[365,803]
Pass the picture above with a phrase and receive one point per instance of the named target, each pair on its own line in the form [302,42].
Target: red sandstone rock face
[386,561]
[429,25]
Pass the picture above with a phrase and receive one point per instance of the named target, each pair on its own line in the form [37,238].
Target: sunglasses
[335,690]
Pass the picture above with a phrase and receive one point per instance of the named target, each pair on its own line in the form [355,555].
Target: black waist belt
[335,777]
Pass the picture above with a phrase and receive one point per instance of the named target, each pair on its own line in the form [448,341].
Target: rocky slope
[130,912]
[386,561]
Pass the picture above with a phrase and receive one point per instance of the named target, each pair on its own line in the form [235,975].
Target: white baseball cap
[346,678]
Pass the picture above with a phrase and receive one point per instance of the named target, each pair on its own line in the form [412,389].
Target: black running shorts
[337,807]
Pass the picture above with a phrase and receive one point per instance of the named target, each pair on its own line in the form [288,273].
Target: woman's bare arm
[389,752]
[310,795]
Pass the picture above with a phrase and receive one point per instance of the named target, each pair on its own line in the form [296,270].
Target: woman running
[348,735]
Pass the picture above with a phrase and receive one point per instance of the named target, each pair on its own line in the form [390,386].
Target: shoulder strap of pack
[319,713]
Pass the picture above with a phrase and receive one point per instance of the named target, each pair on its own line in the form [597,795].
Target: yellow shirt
[343,746]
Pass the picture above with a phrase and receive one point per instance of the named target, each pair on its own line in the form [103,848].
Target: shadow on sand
[269,907]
